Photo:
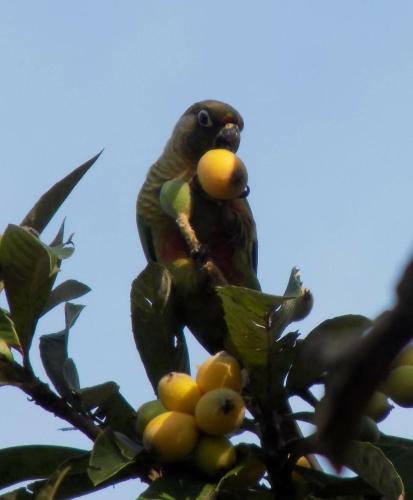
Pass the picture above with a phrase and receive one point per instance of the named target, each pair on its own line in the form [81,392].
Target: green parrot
[217,243]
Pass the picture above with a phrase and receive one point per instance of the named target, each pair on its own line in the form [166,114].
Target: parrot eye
[204,119]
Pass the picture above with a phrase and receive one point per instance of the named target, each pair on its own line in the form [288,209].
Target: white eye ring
[204,119]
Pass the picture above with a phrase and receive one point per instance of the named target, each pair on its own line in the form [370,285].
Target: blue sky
[326,92]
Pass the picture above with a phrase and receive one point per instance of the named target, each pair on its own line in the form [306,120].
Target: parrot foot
[211,276]
[200,254]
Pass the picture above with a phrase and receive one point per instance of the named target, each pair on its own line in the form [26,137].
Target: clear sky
[326,92]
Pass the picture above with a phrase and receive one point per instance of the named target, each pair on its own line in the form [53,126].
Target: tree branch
[358,372]
[43,396]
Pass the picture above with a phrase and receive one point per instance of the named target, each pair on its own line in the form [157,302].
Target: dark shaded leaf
[179,488]
[10,374]
[259,493]
[92,397]
[281,357]
[157,330]
[18,464]
[50,489]
[372,465]
[19,494]
[45,208]
[54,355]
[66,291]
[324,485]
[400,452]
[129,448]
[118,414]
[106,459]
[7,330]
[72,312]
[71,375]
[316,353]
[75,484]
[29,271]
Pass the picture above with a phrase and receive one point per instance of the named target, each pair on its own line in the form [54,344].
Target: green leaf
[63,251]
[130,449]
[157,330]
[400,452]
[66,291]
[29,270]
[54,355]
[59,238]
[372,465]
[5,351]
[249,337]
[295,309]
[23,463]
[246,474]
[45,208]
[180,487]
[106,459]
[7,330]
[118,414]
[246,315]
[316,352]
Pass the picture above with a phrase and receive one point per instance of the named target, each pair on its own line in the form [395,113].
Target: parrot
[217,244]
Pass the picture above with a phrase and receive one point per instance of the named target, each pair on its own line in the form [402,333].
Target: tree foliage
[280,361]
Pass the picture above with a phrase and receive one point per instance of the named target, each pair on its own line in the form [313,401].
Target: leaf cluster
[279,363]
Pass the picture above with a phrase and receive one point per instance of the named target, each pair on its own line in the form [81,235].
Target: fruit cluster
[399,383]
[398,386]
[195,416]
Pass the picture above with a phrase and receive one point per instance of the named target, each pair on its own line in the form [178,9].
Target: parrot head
[207,125]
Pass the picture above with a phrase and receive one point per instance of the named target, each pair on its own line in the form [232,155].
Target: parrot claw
[200,254]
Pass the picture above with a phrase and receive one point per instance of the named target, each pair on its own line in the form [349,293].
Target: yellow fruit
[214,455]
[220,370]
[404,358]
[220,412]
[175,197]
[178,391]
[171,436]
[378,407]
[222,174]
[302,462]
[399,385]
[146,413]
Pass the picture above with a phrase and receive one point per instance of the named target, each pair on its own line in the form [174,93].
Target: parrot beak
[228,137]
